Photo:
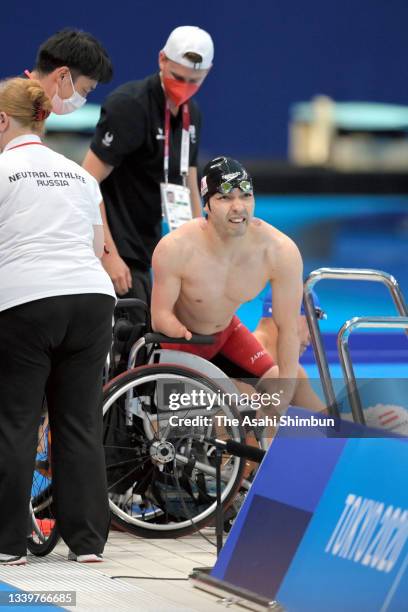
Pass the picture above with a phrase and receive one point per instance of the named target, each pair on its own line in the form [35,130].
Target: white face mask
[63,106]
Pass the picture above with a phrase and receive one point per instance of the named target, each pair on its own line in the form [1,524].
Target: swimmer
[267,333]
[207,268]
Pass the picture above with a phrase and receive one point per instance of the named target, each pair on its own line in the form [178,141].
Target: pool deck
[136,575]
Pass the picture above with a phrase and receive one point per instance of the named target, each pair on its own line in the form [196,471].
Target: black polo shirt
[130,137]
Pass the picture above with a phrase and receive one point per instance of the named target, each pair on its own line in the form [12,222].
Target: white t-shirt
[48,207]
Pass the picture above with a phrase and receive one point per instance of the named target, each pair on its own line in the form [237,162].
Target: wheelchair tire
[43,533]
[161,477]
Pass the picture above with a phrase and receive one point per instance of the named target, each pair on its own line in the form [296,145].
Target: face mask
[179,92]
[63,106]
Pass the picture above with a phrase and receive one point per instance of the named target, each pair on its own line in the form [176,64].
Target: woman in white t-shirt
[56,304]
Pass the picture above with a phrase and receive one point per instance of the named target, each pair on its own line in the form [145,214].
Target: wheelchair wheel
[161,466]
[42,527]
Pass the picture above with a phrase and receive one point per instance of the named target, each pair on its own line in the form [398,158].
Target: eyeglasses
[228,186]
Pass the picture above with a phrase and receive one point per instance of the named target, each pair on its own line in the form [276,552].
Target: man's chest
[218,284]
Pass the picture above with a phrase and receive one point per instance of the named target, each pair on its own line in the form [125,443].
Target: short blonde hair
[25,101]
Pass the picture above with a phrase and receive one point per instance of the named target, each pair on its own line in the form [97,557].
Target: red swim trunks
[235,343]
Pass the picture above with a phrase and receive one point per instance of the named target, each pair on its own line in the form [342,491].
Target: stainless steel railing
[342,274]
[345,358]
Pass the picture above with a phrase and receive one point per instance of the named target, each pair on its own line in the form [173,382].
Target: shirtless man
[207,268]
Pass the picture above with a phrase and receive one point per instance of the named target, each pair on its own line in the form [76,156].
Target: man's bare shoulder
[280,251]
[179,243]
[269,234]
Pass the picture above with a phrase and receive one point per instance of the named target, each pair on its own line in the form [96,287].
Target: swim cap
[222,175]
[267,305]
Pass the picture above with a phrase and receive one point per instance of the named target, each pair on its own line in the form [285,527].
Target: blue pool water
[388,371]
[342,231]
[351,232]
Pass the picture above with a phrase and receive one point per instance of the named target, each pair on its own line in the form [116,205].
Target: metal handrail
[316,338]
[345,358]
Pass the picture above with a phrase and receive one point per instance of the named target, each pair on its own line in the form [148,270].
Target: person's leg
[249,361]
[25,365]
[74,394]
[141,289]
[242,348]
[259,378]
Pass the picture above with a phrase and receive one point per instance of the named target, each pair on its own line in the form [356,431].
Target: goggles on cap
[228,186]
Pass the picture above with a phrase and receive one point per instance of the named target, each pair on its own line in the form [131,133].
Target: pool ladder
[400,321]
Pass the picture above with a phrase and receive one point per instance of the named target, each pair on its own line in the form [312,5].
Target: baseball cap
[190,39]
[267,305]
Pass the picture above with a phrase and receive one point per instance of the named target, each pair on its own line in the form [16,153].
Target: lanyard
[24,144]
[185,143]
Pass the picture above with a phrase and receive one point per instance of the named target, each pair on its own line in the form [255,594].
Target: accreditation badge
[176,204]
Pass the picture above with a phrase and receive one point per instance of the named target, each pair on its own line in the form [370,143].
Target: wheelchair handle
[123,330]
[135,303]
[156,338]
[131,303]
[238,449]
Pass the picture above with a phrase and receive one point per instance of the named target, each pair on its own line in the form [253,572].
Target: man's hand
[175,329]
[187,334]
[118,271]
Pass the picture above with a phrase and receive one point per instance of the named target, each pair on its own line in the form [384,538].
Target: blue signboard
[325,524]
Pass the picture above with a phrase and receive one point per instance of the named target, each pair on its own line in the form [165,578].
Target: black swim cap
[221,175]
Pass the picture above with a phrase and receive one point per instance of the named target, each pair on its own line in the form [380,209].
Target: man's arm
[286,300]
[194,193]
[166,265]
[111,260]
[95,166]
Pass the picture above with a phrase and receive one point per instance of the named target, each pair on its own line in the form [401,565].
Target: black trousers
[55,346]
[141,289]
[141,286]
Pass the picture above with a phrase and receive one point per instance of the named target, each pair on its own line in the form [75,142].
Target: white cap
[190,39]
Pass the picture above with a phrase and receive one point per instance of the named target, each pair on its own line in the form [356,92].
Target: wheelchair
[160,458]
[42,532]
